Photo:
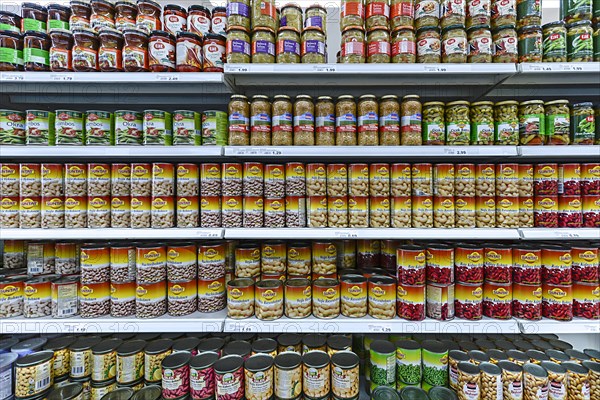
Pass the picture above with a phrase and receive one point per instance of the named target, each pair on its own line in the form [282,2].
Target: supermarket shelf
[560,152]
[369,325]
[111,234]
[371,233]
[197,322]
[559,233]
[577,325]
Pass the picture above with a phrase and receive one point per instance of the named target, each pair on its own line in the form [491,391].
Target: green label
[555,45]
[433,132]
[157,128]
[482,132]
[506,131]
[435,368]
[557,124]
[12,127]
[214,128]
[530,46]
[580,45]
[11,56]
[8,27]
[408,366]
[99,128]
[36,56]
[128,127]
[529,8]
[584,127]
[383,369]
[531,124]
[572,7]
[596,39]
[57,24]
[458,133]
[30,24]
[186,128]
[40,128]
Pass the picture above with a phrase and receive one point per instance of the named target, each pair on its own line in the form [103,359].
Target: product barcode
[41,384]
[68,311]
[76,371]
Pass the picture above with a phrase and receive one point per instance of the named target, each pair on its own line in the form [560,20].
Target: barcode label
[41,384]
[68,311]
[77,370]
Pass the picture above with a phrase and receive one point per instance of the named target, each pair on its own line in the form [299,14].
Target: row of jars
[252,14]
[122,15]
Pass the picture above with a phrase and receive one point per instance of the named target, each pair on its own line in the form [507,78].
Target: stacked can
[151,281]
[232,200]
[122,280]
[53,209]
[75,200]
[440,281]
[99,191]
[497,287]
[485,196]
[570,206]
[379,190]
[162,212]
[211,290]
[443,191]
[527,283]
[545,188]
[94,289]
[590,190]
[253,192]
[464,192]
[295,195]
[30,201]
[120,202]
[188,195]
[9,195]
[182,289]
[585,273]
[526,200]
[274,196]
[337,195]
[401,199]
[210,196]
[507,195]
[316,197]
[422,195]
[410,294]
[557,283]
[141,194]
[469,263]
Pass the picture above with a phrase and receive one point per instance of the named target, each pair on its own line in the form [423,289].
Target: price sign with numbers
[62,77]
[346,234]
[12,77]
[380,328]
[325,68]
[167,77]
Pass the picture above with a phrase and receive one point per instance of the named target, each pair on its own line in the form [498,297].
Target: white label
[381,328]
[10,77]
[161,52]
[322,68]
[61,77]
[346,234]
[170,381]
[175,24]
[470,391]
[42,377]
[198,23]
[127,367]
[557,390]
[78,367]
[285,384]
[167,77]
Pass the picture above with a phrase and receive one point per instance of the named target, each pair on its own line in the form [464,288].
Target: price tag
[62,77]
[76,328]
[167,77]
[12,77]
[534,67]
[430,68]
[209,234]
[379,328]
[325,68]
[567,234]
[267,152]
[593,328]
[571,67]
[346,234]
[237,69]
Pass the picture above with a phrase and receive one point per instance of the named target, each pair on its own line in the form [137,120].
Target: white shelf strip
[111,234]
[110,152]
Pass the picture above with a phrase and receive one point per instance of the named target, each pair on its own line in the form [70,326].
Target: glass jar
[304,121]
[264,15]
[10,22]
[454,44]
[148,16]
[325,121]
[433,126]
[504,12]
[263,46]
[410,121]
[175,19]
[61,50]
[478,13]
[583,124]
[389,121]
[213,52]
[353,46]
[404,45]
[368,120]
[557,122]
[34,17]
[573,11]
[554,45]
[58,16]
[529,12]
[218,23]
[125,15]
[377,14]
[531,122]
[161,52]
[198,20]
[427,13]
[239,120]
[453,13]
[260,121]
[103,15]
[530,44]
[596,39]
[506,123]
[188,52]
[482,123]
[378,46]
[402,13]
[458,124]
[288,46]
[291,16]
[429,46]
[352,13]
[283,121]
[238,14]
[238,45]
[313,46]
[316,15]
[36,48]
[135,51]
[110,53]
[11,45]
[81,12]
[505,45]
[345,123]
[580,44]
[480,44]
[85,50]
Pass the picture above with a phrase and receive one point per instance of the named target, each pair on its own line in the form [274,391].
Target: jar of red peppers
[103,15]
[80,15]
[213,51]
[85,50]
[219,21]
[135,51]
[189,52]
[198,20]
[174,19]
[126,15]
[161,52]
[58,16]
[148,16]
[110,53]
[36,47]
[12,48]
[60,50]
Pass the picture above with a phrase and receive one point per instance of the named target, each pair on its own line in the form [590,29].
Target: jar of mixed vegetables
[583,123]
[482,123]
[531,122]
[434,128]
[506,123]
[557,122]
[458,124]
[480,44]
[530,44]
[505,45]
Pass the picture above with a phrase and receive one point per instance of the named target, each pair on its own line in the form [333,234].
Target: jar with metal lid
[148,16]
[81,12]
[313,46]
[504,12]
[36,51]
[573,11]
[260,121]
[453,13]
[238,45]
[263,46]
[596,40]
[580,44]
[11,44]
[434,127]
[282,121]
[529,12]
[10,22]
[291,16]
[60,55]
[478,13]
[531,122]
[410,120]
[125,15]
[557,124]
[85,50]
[135,50]
[288,46]
[304,121]
[378,45]
[218,22]
[368,121]
[506,123]
[389,121]
[325,121]
[175,19]
[198,20]
[352,13]
[402,13]
[161,52]
[505,45]
[429,45]
[480,44]
[377,13]
[353,45]
[58,16]
[454,44]
[103,15]
[583,123]
[458,124]
[554,43]
[110,53]
[238,14]
[316,15]
[530,44]
[130,361]
[239,121]
[188,53]
[482,123]
[264,15]
[427,13]
[345,126]
[34,17]
[213,52]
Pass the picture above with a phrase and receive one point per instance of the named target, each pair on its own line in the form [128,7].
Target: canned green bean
[128,127]
[435,364]
[214,128]
[186,128]
[12,127]
[69,128]
[555,42]
[99,127]
[157,127]
[408,363]
[39,128]
[383,364]
[580,45]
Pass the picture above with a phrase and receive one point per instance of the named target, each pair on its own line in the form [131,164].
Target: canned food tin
[545,212]
[586,300]
[214,212]
[130,361]
[527,301]
[422,211]
[316,373]
[122,298]
[440,301]
[507,180]
[295,211]
[400,179]
[274,181]
[557,301]
[240,298]
[557,378]
[33,374]
[11,297]
[104,360]
[229,376]
[326,298]
[202,382]
[298,298]
[182,297]
[585,267]
[295,179]
[358,212]
[64,297]
[468,380]
[211,295]
[353,295]
[469,264]
[570,212]
[151,299]
[299,259]
[556,266]
[358,178]
[288,375]
[411,302]
[247,261]
[435,364]
[485,180]
[422,179]
[545,180]
[154,353]
[443,180]
[440,264]
[497,300]
[151,264]
[590,179]
[324,257]
[269,299]
[569,179]
[181,263]
[94,299]
[498,264]
[382,356]
[468,302]
[527,266]
[382,297]
[120,179]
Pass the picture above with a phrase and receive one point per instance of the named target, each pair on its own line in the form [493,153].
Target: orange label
[93,292]
[527,293]
[182,290]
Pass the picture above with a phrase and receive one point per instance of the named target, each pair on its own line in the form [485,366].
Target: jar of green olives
[506,123]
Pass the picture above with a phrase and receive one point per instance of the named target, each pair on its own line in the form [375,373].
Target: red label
[404,47]
[353,8]
[402,10]
[268,9]
[378,9]
[378,48]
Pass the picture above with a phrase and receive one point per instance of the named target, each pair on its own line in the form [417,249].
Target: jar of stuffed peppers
[530,44]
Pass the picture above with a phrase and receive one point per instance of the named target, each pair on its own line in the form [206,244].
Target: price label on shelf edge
[231,68]
[379,328]
[346,234]
[62,77]
[12,77]
[325,68]
[167,77]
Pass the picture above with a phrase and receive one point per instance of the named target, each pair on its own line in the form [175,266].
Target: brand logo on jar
[299,170]
[8,203]
[461,203]
[596,292]
[575,203]
[355,290]
[216,285]
[86,291]
[377,291]
[157,170]
[255,254]
[464,171]
[276,205]
[29,291]
[210,253]
[537,293]
[477,292]
[338,203]
[232,202]
[9,290]
[447,203]
[427,203]
[213,48]
[529,257]
[584,36]
[235,293]
[474,256]
[29,203]
[63,116]
[566,258]
[159,203]
[31,116]
[330,293]
[401,292]
[232,170]
[493,256]
[528,203]
[546,170]
[136,203]
[500,292]
[177,289]
[98,170]
[173,254]
[152,255]
[557,293]
[98,202]
[293,253]
[54,203]
[307,292]
[181,171]
[505,203]
[148,117]
[420,258]
[75,171]
[117,202]
[588,255]
[140,291]
[7,170]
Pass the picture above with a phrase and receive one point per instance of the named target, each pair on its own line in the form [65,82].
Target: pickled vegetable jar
[378,46]
[288,46]
[480,44]
[531,122]
[291,16]
[325,121]
[103,15]
[58,17]
[161,52]
[458,124]
[80,15]
[504,12]
[506,123]
[478,13]
[404,46]
[353,45]
[454,44]
[434,127]
[530,44]
[410,121]
[583,124]
[239,120]
[389,121]
[345,124]
[453,12]
[554,44]
[10,21]
[238,45]
[429,45]
[482,123]
[427,13]
[238,14]
[264,15]
[557,124]
[402,13]
[282,121]
[313,46]
[580,44]
[198,20]
[34,17]
[188,52]
[304,121]
[175,19]
[352,13]
[576,10]
[529,12]
[505,45]
[316,15]
[368,121]
[263,46]
[377,13]
[260,121]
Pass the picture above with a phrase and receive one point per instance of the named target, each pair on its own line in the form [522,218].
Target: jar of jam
[11,51]
[125,15]
[135,51]
[60,50]
[148,17]
[198,20]
[34,17]
[213,50]
[218,23]
[161,51]
[174,19]
[189,52]
[36,51]
[110,56]
[10,22]
[103,15]
[58,16]
[85,50]
[81,12]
